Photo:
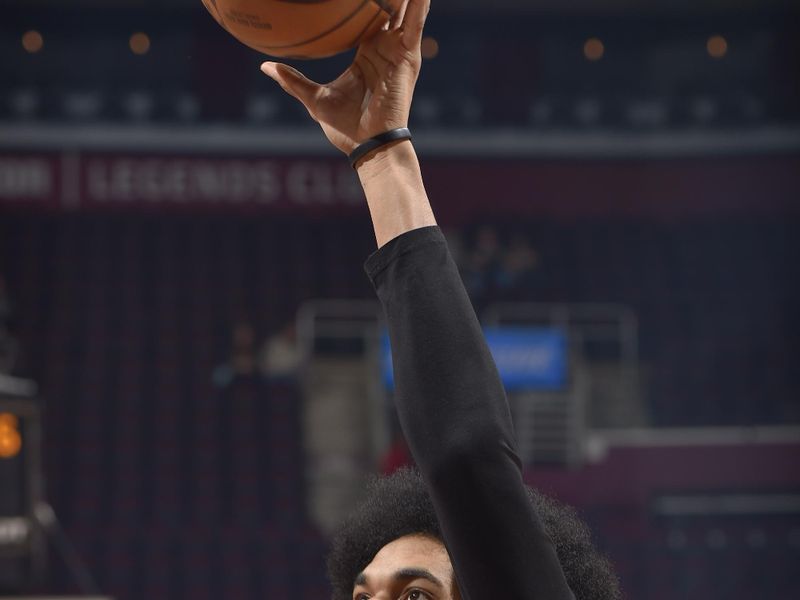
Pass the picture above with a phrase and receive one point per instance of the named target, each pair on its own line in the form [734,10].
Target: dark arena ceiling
[553,7]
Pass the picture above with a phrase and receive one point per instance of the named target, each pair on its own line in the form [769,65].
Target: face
[413,567]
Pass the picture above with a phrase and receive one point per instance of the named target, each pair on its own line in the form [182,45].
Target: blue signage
[527,359]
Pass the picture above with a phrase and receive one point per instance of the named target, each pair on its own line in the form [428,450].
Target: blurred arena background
[193,382]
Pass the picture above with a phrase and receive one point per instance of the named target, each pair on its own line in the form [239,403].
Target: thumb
[294,83]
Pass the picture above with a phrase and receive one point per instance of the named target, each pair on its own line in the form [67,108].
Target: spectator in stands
[397,456]
[9,347]
[242,360]
[280,356]
[494,271]
[482,264]
[519,272]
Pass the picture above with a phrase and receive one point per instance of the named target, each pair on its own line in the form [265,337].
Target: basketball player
[467,528]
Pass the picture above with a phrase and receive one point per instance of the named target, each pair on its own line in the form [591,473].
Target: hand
[374,94]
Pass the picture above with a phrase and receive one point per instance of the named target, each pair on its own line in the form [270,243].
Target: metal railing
[551,426]
[604,335]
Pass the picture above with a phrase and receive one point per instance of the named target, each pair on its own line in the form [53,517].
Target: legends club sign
[463,190]
[73,180]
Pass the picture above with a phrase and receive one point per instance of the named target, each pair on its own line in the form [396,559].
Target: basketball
[302,28]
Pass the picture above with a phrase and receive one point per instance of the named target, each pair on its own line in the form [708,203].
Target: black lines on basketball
[302,28]
[321,35]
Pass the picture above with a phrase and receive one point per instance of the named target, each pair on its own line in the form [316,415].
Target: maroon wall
[461,190]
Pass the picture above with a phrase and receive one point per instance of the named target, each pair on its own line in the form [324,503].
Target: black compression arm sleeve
[454,414]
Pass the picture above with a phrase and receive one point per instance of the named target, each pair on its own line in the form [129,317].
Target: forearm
[449,395]
[424,316]
[396,196]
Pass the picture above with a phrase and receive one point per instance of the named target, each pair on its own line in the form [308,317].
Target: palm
[369,97]
[374,93]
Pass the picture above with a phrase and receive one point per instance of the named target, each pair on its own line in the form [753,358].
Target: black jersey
[455,416]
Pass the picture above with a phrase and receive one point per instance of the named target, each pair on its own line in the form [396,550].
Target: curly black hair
[399,505]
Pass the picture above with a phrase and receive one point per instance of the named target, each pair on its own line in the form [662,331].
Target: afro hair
[399,505]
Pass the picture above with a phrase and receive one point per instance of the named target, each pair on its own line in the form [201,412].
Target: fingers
[397,18]
[294,83]
[414,21]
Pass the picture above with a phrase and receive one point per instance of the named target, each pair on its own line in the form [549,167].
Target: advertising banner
[460,189]
[526,358]
[73,181]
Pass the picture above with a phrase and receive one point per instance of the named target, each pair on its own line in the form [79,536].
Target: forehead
[412,551]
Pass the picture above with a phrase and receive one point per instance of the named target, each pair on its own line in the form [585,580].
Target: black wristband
[393,135]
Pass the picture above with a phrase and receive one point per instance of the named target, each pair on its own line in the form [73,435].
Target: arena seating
[186,75]
[708,557]
[201,489]
[124,317]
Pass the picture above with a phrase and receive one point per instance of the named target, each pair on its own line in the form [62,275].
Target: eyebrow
[406,573]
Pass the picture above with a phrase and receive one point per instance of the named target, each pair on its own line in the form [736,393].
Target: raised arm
[454,414]
[449,396]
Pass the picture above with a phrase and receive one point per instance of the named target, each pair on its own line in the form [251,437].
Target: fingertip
[268,68]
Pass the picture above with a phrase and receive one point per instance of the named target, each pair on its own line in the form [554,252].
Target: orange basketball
[302,28]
